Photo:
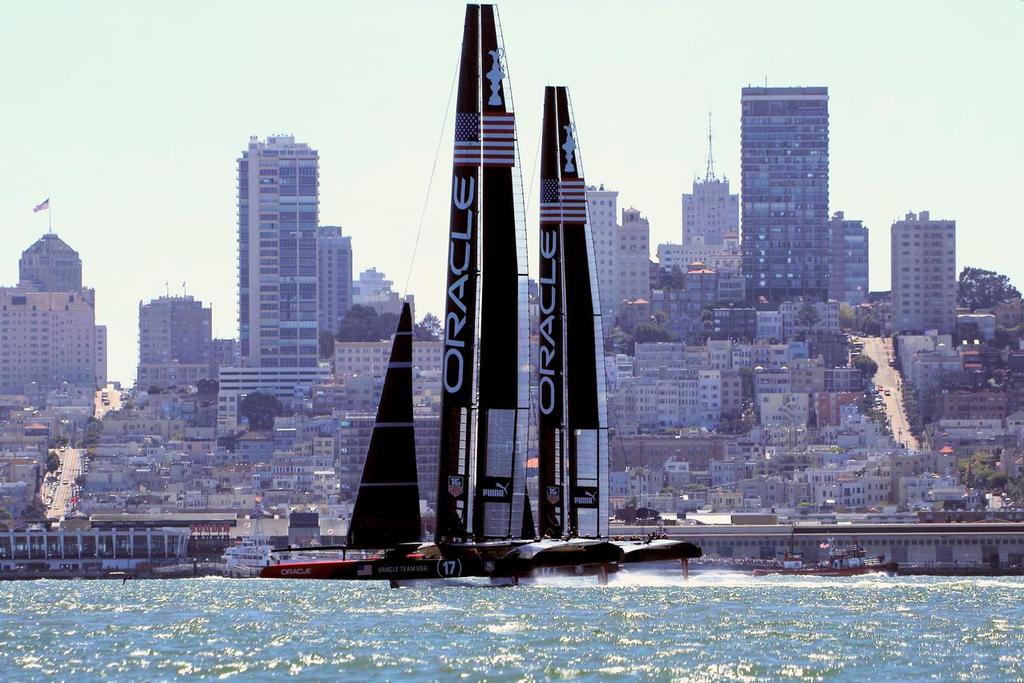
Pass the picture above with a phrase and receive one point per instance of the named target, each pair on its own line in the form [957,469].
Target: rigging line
[533,174]
[433,171]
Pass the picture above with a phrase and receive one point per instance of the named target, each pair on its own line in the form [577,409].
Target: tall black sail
[584,408]
[551,484]
[387,507]
[458,398]
[485,375]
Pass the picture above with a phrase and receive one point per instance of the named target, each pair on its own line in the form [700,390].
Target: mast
[485,376]
[583,469]
[387,507]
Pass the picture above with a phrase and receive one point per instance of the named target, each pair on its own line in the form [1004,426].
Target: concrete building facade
[923,274]
[175,342]
[602,211]
[50,265]
[334,276]
[46,338]
[848,281]
[710,213]
[634,257]
[278,195]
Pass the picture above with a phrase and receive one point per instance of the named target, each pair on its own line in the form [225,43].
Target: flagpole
[49,215]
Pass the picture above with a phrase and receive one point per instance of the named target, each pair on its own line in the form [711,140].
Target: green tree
[867,366]
[980,288]
[979,470]
[208,387]
[674,279]
[847,317]
[363,323]
[52,462]
[621,341]
[35,510]
[427,329]
[260,410]
[747,383]
[326,340]
[808,315]
[652,332]
[91,435]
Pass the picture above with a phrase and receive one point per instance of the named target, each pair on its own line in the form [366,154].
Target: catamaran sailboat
[573,443]
[485,523]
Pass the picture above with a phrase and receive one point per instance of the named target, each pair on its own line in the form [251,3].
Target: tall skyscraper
[277,261]
[175,342]
[923,274]
[334,276]
[634,256]
[849,273]
[602,210]
[784,186]
[278,326]
[50,265]
[710,213]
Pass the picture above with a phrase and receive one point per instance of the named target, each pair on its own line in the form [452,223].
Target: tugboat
[849,561]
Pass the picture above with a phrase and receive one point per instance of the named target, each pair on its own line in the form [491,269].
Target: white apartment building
[684,399]
[371,358]
[237,383]
[923,274]
[710,213]
[602,212]
[724,258]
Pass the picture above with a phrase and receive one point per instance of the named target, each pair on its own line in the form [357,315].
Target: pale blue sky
[130,116]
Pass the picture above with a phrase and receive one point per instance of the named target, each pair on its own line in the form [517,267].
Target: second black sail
[573,425]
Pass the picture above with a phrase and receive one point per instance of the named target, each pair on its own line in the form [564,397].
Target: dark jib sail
[387,507]
[485,375]
[575,457]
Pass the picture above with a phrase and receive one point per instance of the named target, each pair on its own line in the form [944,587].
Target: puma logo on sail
[496,489]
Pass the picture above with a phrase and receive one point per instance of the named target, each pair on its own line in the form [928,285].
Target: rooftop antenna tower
[710,172]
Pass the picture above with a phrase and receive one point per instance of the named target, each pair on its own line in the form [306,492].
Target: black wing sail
[458,395]
[387,507]
[503,386]
[551,482]
[585,394]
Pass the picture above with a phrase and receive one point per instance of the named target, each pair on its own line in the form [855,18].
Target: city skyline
[142,178]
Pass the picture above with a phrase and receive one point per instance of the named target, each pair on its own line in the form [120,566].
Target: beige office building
[634,257]
[46,338]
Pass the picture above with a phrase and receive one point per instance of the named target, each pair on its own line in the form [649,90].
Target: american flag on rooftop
[489,139]
[563,201]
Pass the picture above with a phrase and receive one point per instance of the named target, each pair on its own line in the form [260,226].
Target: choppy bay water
[716,627]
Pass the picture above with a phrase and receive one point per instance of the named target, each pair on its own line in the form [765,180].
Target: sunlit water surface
[716,627]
